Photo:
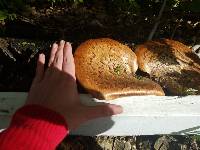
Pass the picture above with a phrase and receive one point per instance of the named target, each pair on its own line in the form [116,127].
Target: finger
[93,112]
[58,60]
[40,68]
[53,53]
[68,60]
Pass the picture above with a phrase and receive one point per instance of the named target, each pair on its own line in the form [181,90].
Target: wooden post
[143,115]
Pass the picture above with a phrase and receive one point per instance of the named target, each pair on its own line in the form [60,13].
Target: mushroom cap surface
[106,68]
[172,64]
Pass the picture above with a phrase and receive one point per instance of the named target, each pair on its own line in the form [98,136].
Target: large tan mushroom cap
[172,64]
[106,69]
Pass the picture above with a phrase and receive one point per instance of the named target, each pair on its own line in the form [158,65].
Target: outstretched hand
[56,89]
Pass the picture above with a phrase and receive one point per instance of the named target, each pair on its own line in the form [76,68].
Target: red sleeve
[34,127]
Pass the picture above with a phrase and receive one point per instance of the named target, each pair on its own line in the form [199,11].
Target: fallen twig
[157,21]
[174,31]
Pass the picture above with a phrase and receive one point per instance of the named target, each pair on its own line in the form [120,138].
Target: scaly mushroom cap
[172,64]
[106,68]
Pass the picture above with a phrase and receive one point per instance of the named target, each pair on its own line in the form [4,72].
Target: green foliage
[195,6]
[12,5]
[118,6]
[79,1]
[71,1]
[196,137]
[3,15]
[9,9]
[118,69]
[55,1]
[192,6]
[153,6]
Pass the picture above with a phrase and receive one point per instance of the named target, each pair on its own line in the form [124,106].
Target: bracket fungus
[106,69]
[172,64]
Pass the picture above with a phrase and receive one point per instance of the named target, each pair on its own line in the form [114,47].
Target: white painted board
[143,115]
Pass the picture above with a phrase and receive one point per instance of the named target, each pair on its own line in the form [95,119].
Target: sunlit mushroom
[172,64]
[106,68]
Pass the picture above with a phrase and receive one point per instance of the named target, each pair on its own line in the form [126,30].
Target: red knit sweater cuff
[36,127]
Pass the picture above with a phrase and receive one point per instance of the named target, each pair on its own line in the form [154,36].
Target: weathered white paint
[196,50]
[143,115]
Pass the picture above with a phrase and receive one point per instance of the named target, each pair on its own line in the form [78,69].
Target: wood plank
[143,115]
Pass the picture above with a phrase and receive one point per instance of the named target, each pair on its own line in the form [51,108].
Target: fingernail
[41,55]
[62,42]
[120,109]
[54,45]
[69,43]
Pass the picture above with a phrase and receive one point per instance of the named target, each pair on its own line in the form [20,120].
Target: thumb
[93,112]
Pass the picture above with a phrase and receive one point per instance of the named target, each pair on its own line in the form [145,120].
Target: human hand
[55,88]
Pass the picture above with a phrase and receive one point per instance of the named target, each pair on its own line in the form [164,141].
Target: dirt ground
[156,142]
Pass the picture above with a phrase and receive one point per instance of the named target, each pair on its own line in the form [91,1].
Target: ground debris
[4,48]
[105,142]
[166,143]
[153,142]
[98,143]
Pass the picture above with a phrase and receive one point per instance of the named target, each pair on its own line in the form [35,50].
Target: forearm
[34,127]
